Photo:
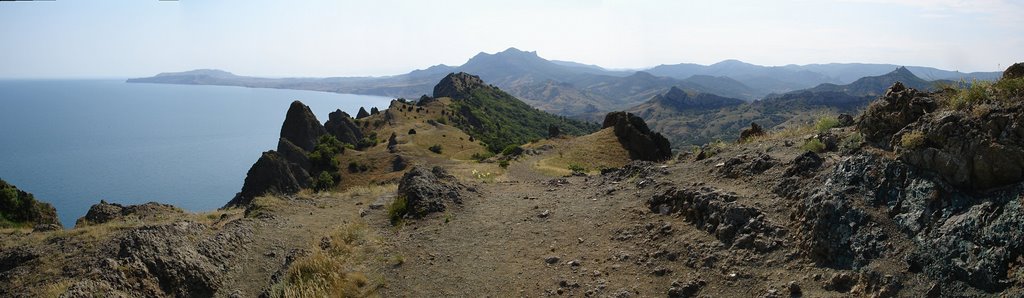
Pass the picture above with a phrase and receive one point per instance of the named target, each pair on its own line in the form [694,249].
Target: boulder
[887,115]
[301,127]
[747,133]
[271,173]
[340,125]
[637,138]
[429,190]
[457,85]
[1014,71]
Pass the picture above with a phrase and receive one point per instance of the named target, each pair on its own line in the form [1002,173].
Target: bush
[575,167]
[814,145]
[503,164]
[398,209]
[324,156]
[511,150]
[368,141]
[825,123]
[324,181]
[436,148]
[913,139]
[482,156]
[442,120]
[412,131]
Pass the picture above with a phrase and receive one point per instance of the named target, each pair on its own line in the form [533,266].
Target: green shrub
[442,120]
[575,167]
[503,164]
[814,145]
[1011,88]
[511,150]
[967,95]
[324,181]
[482,156]
[825,123]
[368,141]
[436,148]
[324,158]
[398,208]
[853,141]
[913,139]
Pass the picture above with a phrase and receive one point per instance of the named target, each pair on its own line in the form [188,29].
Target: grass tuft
[814,145]
[913,139]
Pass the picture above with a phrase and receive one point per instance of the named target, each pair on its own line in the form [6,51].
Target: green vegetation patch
[814,145]
[499,119]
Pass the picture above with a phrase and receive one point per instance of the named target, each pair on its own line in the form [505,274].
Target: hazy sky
[79,38]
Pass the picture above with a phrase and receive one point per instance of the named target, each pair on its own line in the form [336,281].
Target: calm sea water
[74,142]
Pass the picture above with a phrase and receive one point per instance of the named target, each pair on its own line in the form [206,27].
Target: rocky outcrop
[20,207]
[457,85]
[969,150]
[637,138]
[362,113]
[428,190]
[886,116]
[301,127]
[168,260]
[1014,71]
[978,147]
[340,125]
[106,212]
[747,133]
[717,213]
[287,169]
[393,143]
[271,173]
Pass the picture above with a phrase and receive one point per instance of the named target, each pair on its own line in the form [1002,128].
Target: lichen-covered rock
[429,190]
[975,152]
[637,138]
[886,116]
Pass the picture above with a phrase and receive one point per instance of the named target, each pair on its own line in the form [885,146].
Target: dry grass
[55,289]
[913,139]
[264,205]
[331,269]
[785,133]
[590,152]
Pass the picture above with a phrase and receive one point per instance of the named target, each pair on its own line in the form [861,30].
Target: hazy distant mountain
[849,72]
[565,88]
[580,90]
[876,85]
[762,79]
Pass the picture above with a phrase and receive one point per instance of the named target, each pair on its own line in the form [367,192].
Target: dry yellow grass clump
[589,153]
[331,269]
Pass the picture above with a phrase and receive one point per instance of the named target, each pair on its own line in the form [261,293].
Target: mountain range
[579,90]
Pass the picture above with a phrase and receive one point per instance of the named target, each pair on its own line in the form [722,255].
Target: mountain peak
[902,71]
[676,94]
[457,85]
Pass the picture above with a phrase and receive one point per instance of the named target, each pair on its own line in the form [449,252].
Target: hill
[876,85]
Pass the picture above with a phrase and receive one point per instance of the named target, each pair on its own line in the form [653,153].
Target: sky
[280,38]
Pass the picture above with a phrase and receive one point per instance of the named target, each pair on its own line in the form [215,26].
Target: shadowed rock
[362,113]
[341,126]
[637,138]
[428,191]
[1014,71]
[301,127]
[271,173]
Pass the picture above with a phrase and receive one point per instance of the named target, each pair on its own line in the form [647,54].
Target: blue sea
[75,142]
